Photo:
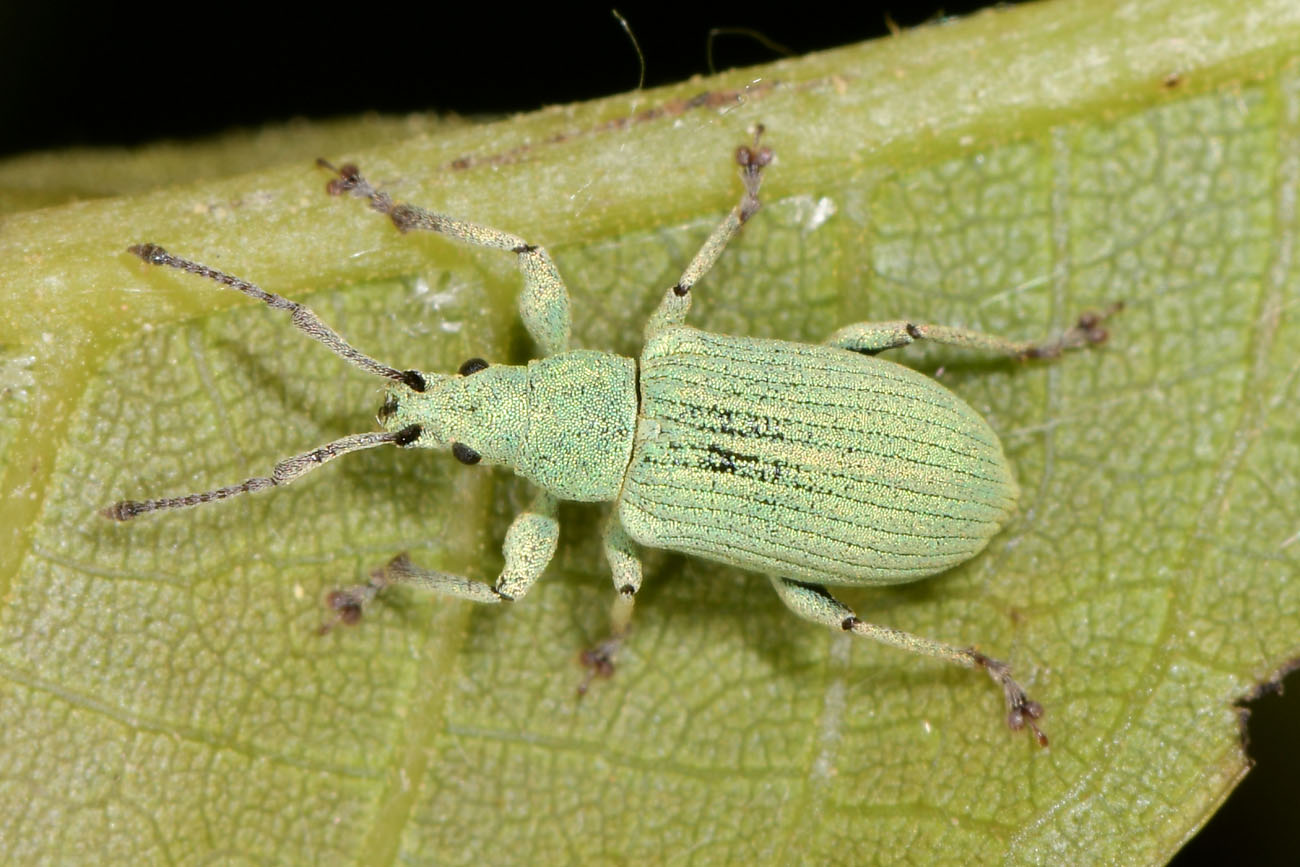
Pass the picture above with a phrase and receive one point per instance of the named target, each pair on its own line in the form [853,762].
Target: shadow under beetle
[816,465]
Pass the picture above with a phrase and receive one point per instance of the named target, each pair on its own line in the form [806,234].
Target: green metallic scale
[814,465]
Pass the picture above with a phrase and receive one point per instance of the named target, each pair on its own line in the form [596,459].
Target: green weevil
[816,465]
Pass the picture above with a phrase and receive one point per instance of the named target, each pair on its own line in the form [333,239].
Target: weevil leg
[544,301]
[676,303]
[814,602]
[870,338]
[625,565]
[529,546]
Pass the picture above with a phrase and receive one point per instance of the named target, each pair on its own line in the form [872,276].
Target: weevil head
[479,413]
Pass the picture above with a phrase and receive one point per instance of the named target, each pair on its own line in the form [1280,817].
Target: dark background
[127,75]
[98,76]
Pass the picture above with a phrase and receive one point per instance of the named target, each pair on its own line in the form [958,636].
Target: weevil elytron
[816,465]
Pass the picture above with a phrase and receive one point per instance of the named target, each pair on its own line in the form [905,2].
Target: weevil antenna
[303,319]
[285,472]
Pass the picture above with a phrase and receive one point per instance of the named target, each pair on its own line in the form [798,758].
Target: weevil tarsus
[1022,711]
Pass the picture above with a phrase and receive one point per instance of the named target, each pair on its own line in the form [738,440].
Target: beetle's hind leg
[625,566]
[544,301]
[814,602]
[870,338]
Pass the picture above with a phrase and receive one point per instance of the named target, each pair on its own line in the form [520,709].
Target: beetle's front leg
[625,565]
[870,338]
[529,546]
[544,301]
[814,602]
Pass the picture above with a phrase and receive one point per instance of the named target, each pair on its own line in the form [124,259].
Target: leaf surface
[164,696]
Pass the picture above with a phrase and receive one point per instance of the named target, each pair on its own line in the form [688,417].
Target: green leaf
[164,695]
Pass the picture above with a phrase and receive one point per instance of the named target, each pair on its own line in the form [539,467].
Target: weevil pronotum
[816,465]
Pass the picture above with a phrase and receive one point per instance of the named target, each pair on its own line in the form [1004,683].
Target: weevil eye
[414,380]
[473,365]
[408,435]
[465,454]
